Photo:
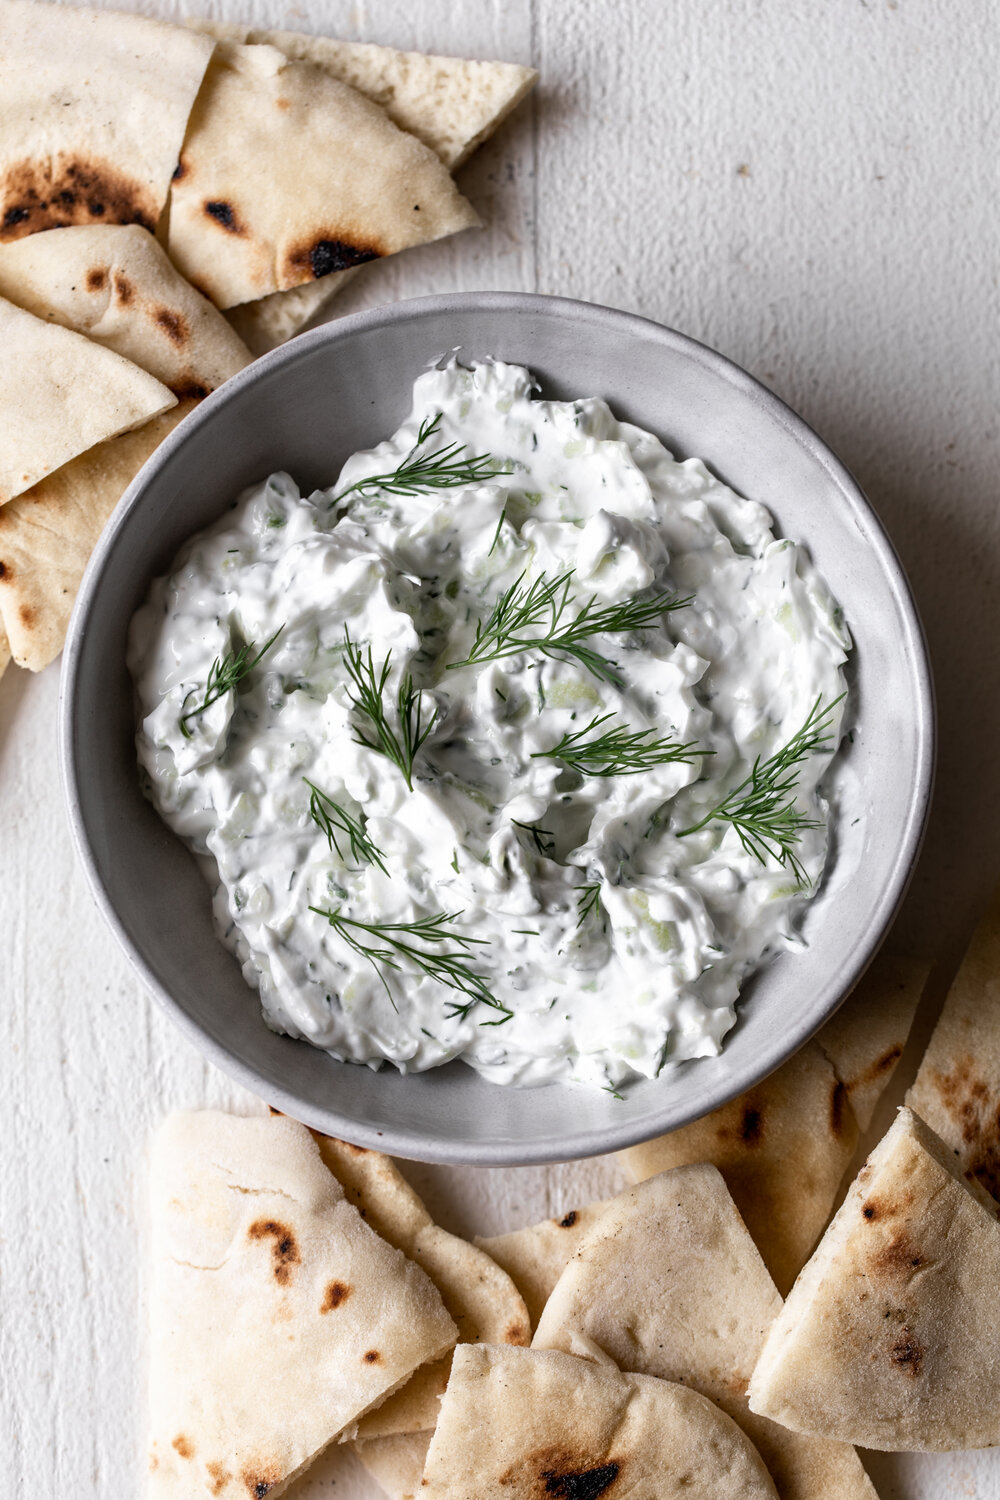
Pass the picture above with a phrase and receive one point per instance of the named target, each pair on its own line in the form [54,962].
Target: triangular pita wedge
[287,175]
[93,109]
[668,1283]
[397,1463]
[783,1146]
[60,394]
[482,1299]
[521,1423]
[452,104]
[278,1316]
[535,1258]
[891,1335]
[116,284]
[48,534]
[957,1090]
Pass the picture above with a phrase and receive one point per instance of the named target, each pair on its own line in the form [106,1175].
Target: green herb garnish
[588,901]
[415,942]
[543,839]
[762,808]
[330,818]
[442,469]
[368,698]
[544,605]
[226,672]
[618,751]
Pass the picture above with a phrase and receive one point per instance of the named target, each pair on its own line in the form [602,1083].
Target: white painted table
[808,185]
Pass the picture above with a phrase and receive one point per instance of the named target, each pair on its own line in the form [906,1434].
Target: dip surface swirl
[541,900]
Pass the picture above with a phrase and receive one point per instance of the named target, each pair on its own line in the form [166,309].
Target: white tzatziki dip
[506,747]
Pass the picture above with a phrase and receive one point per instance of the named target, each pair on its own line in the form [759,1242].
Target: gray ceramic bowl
[305,408]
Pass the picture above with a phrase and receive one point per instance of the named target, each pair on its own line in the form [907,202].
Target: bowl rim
[593,1140]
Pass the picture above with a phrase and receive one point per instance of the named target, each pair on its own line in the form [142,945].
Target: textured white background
[808,185]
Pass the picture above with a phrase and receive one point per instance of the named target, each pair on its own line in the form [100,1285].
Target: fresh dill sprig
[617,752]
[368,698]
[330,818]
[762,808]
[442,469]
[543,839]
[544,604]
[588,901]
[393,942]
[226,672]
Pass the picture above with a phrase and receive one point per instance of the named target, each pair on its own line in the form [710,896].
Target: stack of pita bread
[152,178]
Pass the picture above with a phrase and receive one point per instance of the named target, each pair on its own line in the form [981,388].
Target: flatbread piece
[48,534]
[60,394]
[287,175]
[93,109]
[116,284]
[957,1090]
[784,1145]
[278,1316]
[891,1335]
[669,1283]
[517,1424]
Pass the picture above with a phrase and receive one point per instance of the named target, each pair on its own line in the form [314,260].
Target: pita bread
[60,395]
[116,284]
[535,1258]
[957,1090]
[93,109]
[668,1283]
[48,534]
[286,175]
[480,1297]
[519,1423]
[4,650]
[450,103]
[891,1335]
[277,1315]
[783,1146]
[270,321]
[397,1463]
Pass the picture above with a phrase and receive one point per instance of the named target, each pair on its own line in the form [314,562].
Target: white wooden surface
[809,185]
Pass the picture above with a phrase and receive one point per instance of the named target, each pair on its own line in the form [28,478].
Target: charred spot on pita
[26,615]
[189,390]
[336,1293]
[47,194]
[184,1445]
[372,1357]
[123,288]
[97,279]
[838,1098]
[224,215]
[516,1333]
[260,1482]
[569,1220]
[284,1251]
[321,257]
[173,325]
[584,1484]
[6,576]
[219,1475]
[751,1126]
[907,1353]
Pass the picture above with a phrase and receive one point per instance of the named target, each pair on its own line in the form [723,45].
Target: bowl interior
[305,409]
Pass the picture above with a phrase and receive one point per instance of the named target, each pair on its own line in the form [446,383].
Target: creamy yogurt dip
[472,761]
